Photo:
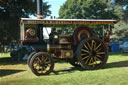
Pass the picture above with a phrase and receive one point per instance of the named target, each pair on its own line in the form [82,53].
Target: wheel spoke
[87,60]
[98,59]
[86,47]
[93,62]
[47,62]
[101,53]
[83,54]
[46,59]
[84,50]
[99,56]
[98,49]
[48,65]
[98,46]
[90,61]
[85,57]
[95,59]
[42,57]
[92,43]
[35,65]
[38,59]
[43,68]
[89,46]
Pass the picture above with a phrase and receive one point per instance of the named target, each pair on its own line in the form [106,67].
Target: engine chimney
[39,9]
[40,16]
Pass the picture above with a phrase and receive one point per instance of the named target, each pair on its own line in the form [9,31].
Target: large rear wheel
[92,53]
[41,64]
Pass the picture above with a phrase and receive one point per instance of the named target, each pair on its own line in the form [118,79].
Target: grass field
[115,72]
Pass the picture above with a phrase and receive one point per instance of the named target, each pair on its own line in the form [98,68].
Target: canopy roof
[66,21]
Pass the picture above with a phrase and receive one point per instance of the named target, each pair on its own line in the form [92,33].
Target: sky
[55,6]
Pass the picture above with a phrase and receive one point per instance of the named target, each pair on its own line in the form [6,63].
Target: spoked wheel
[92,53]
[29,57]
[41,64]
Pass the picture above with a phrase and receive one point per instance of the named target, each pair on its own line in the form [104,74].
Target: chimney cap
[40,16]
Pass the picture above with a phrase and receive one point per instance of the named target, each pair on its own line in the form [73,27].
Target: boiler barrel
[51,48]
[57,48]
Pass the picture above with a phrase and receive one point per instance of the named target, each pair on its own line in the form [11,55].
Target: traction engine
[81,48]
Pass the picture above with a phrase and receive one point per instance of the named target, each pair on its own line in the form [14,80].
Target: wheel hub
[92,53]
[42,64]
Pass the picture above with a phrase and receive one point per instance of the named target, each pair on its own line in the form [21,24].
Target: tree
[10,13]
[124,4]
[121,9]
[98,9]
[86,9]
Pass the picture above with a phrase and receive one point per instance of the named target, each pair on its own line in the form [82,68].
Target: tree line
[10,13]
[98,9]
[12,10]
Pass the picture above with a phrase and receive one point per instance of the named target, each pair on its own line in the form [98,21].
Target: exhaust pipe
[39,9]
[40,16]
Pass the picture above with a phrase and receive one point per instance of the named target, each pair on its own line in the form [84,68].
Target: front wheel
[92,53]
[29,57]
[41,64]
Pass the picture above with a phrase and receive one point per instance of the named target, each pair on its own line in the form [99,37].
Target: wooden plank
[66,21]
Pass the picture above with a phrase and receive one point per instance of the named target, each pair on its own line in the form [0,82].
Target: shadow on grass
[69,70]
[117,64]
[9,61]
[107,66]
[5,72]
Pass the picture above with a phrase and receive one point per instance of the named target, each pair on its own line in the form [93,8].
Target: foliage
[11,11]
[120,30]
[86,9]
[98,9]
[121,9]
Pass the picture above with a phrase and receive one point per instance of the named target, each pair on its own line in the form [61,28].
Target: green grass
[4,55]
[115,72]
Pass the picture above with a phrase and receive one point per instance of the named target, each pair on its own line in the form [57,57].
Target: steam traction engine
[82,47]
